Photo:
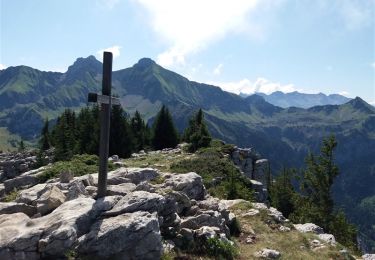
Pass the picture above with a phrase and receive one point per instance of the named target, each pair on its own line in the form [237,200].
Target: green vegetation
[220,176]
[291,245]
[196,134]
[11,196]
[314,202]
[79,165]
[220,249]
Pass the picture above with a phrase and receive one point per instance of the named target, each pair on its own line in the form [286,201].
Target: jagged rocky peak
[90,64]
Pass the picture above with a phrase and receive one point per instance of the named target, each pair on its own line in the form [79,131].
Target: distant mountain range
[284,135]
[302,100]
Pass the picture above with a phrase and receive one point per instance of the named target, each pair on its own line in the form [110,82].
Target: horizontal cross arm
[103,99]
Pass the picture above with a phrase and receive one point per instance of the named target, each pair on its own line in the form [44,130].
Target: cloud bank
[263,85]
[188,26]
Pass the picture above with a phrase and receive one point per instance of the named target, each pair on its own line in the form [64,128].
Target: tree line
[79,133]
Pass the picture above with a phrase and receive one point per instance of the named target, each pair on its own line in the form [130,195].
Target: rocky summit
[150,213]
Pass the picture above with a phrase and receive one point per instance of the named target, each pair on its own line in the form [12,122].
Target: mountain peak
[360,104]
[89,64]
[145,63]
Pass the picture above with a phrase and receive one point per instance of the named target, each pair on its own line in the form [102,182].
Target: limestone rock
[368,257]
[207,218]
[20,181]
[66,176]
[189,183]
[138,201]
[76,189]
[50,198]
[268,254]
[14,207]
[120,189]
[309,227]
[276,215]
[137,175]
[261,170]
[328,238]
[127,236]
[30,195]
[251,212]
[48,236]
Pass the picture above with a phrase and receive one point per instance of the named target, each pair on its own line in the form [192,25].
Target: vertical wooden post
[105,116]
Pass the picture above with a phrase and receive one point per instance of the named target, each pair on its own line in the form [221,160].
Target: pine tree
[140,132]
[65,136]
[121,139]
[197,133]
[164,132]
[44,142]
[282,192]
[316,204]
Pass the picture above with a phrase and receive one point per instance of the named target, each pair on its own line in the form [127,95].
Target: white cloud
[218,69]
[114,49]
[188,26]
[373,65]
[344,93]
[2,67]
[260,85]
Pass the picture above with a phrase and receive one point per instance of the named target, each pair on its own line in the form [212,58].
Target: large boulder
[49,236]
[133,175]
[127,236]
[30,195]
[76,190]
[138,201]
[209,218]
[50,198]
[189,183]
[20,181]
[14,207]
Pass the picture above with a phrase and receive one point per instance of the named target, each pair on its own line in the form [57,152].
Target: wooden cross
[106,101]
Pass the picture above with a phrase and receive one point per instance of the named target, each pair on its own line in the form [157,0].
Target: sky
[244,46]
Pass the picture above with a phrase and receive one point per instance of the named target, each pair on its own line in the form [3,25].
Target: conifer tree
[140,132]
[164,132]
[197,133]
[282,192]
[44,142]
[121,140]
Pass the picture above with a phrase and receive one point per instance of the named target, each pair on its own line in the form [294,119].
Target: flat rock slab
[138,201]
[14,207]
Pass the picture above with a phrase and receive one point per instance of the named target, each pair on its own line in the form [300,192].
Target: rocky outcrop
[309,228]
[48,220]
[256,169]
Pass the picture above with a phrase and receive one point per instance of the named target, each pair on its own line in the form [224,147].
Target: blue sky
[240,45]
